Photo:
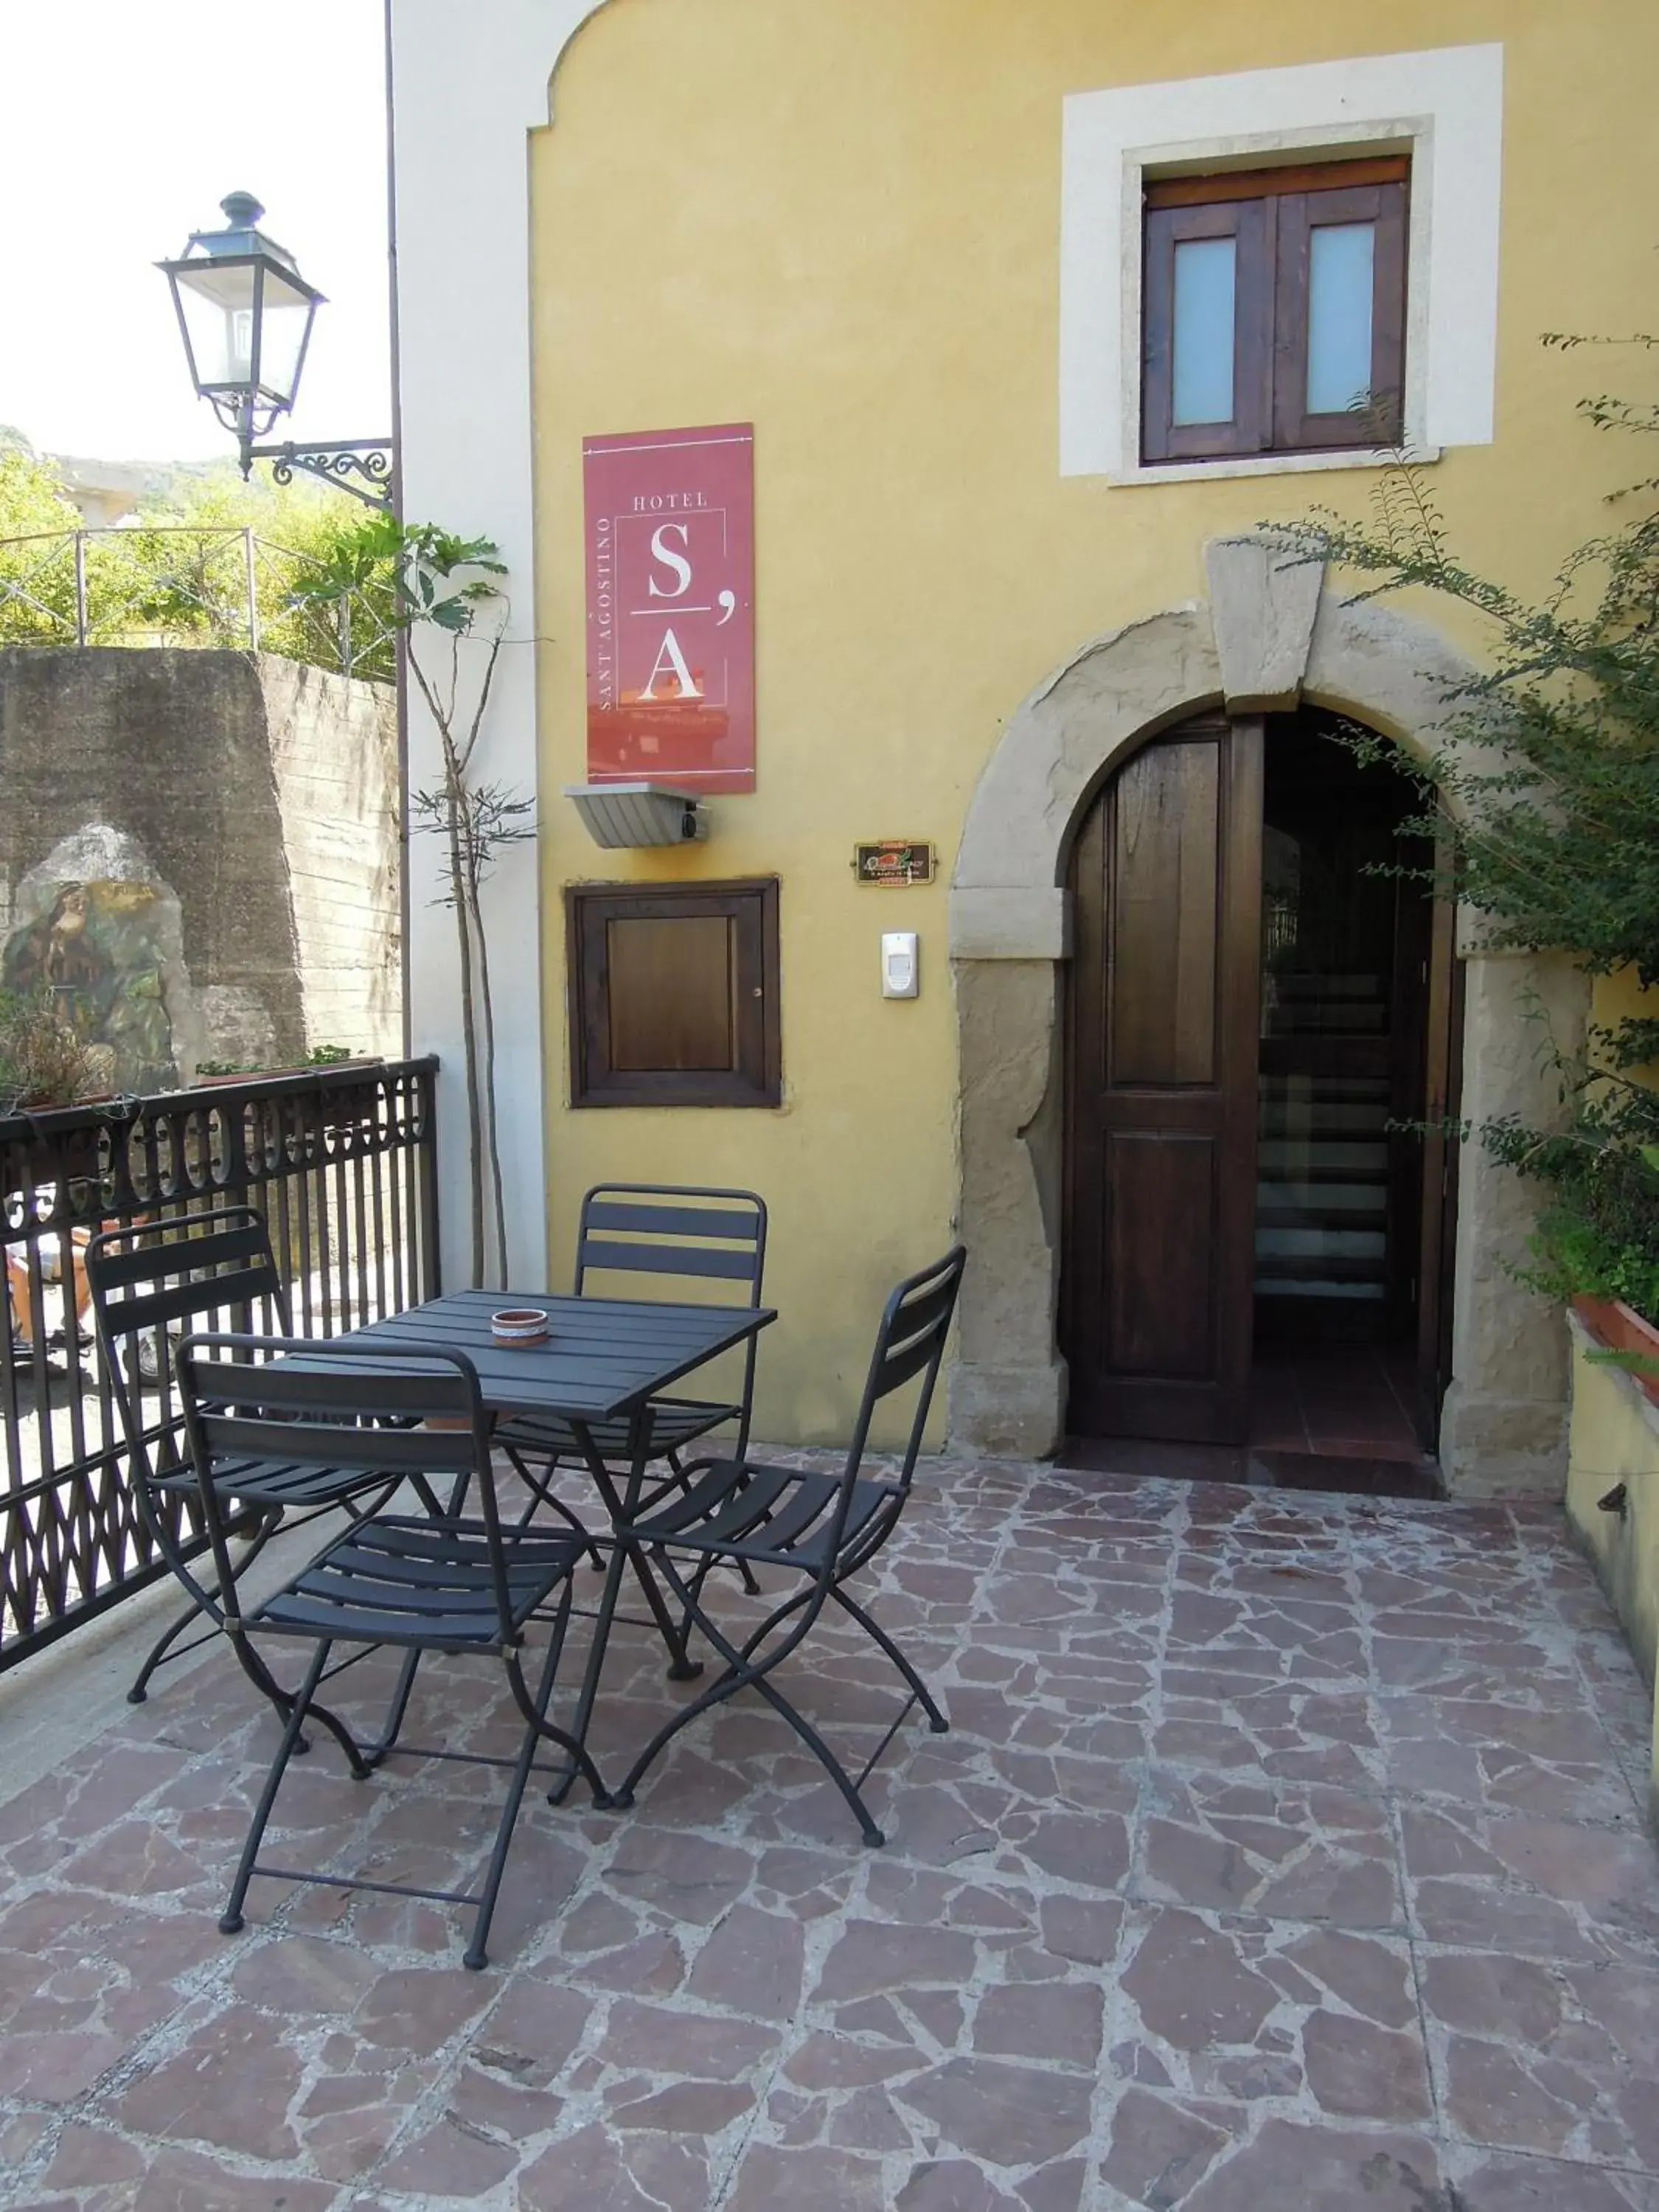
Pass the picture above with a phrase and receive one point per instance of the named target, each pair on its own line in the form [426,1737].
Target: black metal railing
[342,1163]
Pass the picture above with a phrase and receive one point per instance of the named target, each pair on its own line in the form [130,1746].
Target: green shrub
[1553,839]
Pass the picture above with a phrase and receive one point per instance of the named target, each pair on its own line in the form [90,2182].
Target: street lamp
[245,314]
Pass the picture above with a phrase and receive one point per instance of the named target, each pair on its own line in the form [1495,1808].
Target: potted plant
[320,1055]
[43,1061]
[1596,1247]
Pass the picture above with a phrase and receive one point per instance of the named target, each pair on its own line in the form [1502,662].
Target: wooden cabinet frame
[754,1076]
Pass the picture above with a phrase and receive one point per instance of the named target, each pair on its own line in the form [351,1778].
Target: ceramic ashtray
[518,1325]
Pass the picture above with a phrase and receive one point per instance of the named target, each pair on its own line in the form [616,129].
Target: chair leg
[574,1521]
[204,1596]
[936,1720]
[687,1618]
[682,1667]
[576,1744]
[744,1673]
[161,1650]
[230,1920]
[773,1621]
[288,1701]
[603,1615]
[475,1956]
[727,1686]
[387,1742]
[837,1773]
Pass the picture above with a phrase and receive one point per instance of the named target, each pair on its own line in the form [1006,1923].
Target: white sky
[123,125]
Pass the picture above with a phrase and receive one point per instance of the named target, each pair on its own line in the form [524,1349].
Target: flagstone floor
[1286,1851]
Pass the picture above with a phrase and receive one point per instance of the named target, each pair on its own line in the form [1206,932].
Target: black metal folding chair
[442,1580]
[820,1527]
[666,1230]
[144,1281]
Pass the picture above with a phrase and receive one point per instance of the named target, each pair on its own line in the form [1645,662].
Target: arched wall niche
[1272,634]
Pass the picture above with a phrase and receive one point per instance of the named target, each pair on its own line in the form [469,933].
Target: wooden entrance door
[1156,1298]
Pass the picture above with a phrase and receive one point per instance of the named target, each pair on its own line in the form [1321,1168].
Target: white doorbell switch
[899,978]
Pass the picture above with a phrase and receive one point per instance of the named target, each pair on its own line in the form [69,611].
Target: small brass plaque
[894,860]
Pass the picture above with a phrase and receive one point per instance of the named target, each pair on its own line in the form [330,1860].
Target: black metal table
[603,1359]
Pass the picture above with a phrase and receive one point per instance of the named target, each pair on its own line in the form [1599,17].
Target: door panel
[1164,1198]
[1161,1080]
[1166,842]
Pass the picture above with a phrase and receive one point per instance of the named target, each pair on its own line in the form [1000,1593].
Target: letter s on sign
[661,551]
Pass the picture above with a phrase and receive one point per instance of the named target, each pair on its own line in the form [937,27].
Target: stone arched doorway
[1272,635]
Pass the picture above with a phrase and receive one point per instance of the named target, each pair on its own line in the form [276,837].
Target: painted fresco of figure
[98,950]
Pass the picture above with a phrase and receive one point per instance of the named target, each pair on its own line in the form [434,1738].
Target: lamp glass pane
[219,317]
[288,313]
[1342,258]
[1206,288]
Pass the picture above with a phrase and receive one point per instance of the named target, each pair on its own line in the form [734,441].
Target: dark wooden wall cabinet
[673,994]
[1273,310]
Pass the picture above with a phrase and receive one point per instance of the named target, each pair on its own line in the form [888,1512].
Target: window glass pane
[1340,292]
[1206,281]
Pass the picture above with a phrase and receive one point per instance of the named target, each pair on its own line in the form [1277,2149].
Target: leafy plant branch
[1543,798]
[453,615]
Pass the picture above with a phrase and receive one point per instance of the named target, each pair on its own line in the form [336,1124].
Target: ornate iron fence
[342,1163]
[133,585]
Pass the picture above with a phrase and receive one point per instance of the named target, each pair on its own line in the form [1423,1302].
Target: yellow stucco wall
[1620,998]
[1615,1438]
[840,222]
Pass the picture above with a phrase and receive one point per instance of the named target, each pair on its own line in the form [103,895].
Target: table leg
[624,1552]
[622,1509]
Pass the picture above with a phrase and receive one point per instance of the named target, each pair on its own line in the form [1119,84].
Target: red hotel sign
[670,607]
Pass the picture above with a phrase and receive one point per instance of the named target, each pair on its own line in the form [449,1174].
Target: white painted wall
[468,87]
[1445,104]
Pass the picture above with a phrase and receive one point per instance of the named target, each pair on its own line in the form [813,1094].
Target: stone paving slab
[1285,1851]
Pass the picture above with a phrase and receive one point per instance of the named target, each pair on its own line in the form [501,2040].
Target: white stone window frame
[1443,107]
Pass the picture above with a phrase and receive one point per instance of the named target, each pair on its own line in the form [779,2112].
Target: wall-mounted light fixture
[621,814]
[245,314]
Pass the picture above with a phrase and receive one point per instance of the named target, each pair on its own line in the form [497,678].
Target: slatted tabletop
[601,1357]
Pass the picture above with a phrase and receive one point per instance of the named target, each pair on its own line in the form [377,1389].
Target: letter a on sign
[671,659]
[670,607]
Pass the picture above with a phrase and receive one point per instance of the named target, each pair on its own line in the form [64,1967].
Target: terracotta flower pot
[1619,1328]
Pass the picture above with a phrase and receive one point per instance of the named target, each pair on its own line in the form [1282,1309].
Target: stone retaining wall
[199,851]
